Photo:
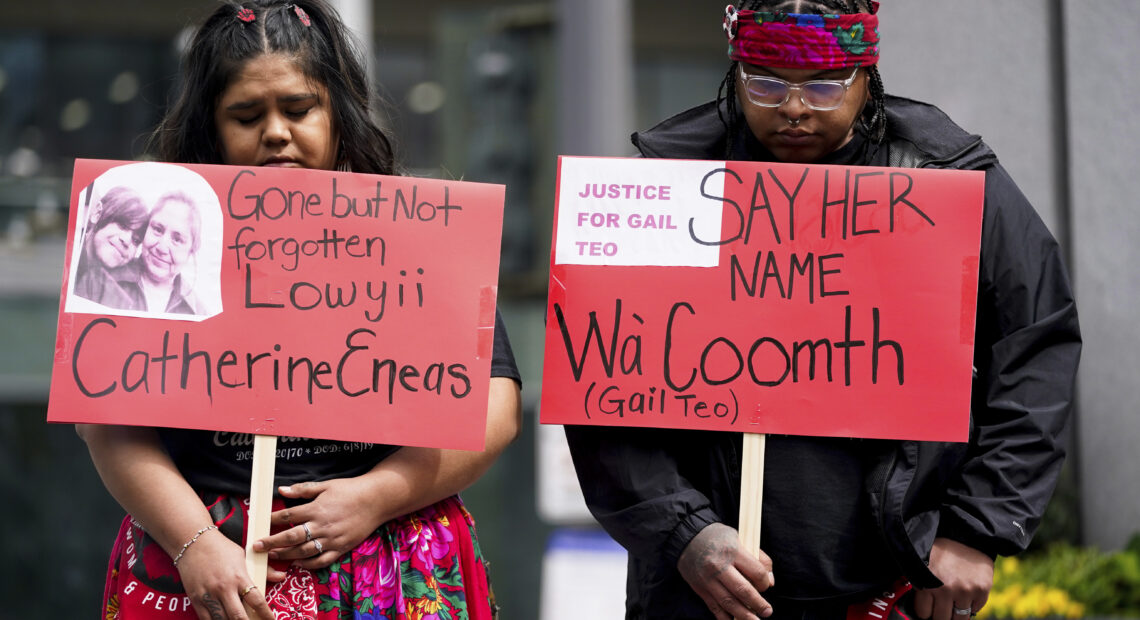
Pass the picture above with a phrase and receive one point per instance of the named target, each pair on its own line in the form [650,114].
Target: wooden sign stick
[751,491]
[260,506]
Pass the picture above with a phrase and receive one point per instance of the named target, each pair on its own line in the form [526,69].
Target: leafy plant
[1067,581]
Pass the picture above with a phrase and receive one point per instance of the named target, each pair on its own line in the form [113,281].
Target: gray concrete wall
[1102,96]
[1052,86]
[993,77]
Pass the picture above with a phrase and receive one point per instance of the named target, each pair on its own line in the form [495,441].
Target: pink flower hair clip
[302,15]
[246,15]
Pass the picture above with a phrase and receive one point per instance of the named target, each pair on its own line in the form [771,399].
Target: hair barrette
[302,15]
[731,22]
[246,15]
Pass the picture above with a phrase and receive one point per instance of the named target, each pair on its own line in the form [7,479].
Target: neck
[157,293]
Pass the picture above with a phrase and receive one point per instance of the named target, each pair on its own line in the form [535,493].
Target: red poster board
[764,298]
[317,304]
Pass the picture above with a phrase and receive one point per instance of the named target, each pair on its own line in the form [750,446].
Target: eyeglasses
[771,92]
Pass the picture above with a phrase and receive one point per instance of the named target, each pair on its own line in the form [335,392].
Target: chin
[156,272]
[796,156]
[111,262]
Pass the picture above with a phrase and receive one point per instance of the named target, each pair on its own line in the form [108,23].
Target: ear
[96,212]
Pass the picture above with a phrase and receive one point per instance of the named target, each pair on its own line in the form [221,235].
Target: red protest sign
[278,302]
[765,298]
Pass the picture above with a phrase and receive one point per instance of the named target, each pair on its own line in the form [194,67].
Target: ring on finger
[308,533]
[963,611]
[246,590]
[320,549]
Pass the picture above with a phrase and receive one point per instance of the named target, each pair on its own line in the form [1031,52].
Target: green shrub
[1067,581]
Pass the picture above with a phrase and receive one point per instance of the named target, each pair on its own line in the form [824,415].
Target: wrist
[385,491]
[684,531]
[190,542]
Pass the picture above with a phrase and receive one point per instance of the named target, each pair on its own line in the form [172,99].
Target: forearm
[416,477]
[141,476]
[634,483]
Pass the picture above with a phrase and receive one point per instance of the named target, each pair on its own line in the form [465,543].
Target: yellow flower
[1011,565]
[1038,601]
[1006,569]
[112,610]
[416,609]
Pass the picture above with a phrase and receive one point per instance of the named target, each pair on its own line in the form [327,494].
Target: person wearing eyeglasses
[851,526]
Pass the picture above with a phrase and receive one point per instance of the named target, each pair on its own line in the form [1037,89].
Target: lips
[795,137]
[113,253]
[158,261]
[281,162]
[119,249]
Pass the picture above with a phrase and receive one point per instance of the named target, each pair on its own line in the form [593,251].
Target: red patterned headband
[799,41]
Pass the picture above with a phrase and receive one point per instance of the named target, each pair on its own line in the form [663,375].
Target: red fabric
[880,607]
[422,566]
[802,41]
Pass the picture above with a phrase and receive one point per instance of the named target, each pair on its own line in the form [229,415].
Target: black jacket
[653,490]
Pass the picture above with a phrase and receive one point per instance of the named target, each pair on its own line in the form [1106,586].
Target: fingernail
[771,579]
[285,489]
[766,612]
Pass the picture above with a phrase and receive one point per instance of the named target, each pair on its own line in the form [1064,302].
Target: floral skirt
[425,565]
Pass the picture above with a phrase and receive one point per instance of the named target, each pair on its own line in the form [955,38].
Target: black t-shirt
[817,523]
[219,462]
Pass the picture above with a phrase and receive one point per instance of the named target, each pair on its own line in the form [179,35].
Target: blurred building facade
[493,91]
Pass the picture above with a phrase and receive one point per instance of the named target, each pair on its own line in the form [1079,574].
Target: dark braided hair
[309,31]
[872,122]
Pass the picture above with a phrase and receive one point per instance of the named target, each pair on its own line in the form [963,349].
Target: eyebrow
[245,105]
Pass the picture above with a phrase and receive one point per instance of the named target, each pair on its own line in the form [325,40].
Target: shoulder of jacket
[696,133]
[920,134]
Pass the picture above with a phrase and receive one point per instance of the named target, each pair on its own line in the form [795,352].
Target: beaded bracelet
[192,540]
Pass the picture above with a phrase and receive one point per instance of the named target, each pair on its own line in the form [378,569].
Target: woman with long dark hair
[360,530]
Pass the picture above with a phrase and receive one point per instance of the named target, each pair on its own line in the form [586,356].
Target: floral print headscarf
[801,41]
